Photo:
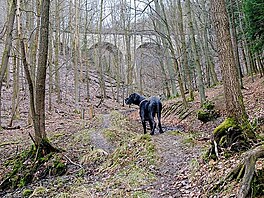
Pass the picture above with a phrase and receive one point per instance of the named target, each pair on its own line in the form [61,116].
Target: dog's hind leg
[152,124]
[159,118]
[144,126]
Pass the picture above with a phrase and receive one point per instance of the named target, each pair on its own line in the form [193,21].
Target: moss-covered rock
[209,105]
[207,113]
[204,116]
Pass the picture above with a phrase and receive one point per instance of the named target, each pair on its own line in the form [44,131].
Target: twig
[32,139]
[11,128]
[72,161]
[9,143]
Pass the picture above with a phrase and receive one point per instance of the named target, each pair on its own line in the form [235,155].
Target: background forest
[68,65]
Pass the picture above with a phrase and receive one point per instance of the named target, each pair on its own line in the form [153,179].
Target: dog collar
[142,101]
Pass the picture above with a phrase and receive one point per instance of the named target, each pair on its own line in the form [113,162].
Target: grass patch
[176,133]
[127,168]
[190,139]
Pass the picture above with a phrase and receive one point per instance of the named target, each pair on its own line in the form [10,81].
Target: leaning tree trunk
[25,64]
[37,105]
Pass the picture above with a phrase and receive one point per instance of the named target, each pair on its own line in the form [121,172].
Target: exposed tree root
[230,137]
[249,162]
[244,170]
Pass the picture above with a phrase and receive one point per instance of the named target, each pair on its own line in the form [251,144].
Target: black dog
[148,110]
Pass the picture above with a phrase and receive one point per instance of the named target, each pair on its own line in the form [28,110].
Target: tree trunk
[40,133]
[26,65]
[250,163]
[57,48]
[196,56]
[185,52]
[75,58]
[100,65]
[207,52]
[15,94]
[161,29]
[233,95]
[172,52]
[87,77]
[235,42]
[8,44]
[35,45]
[51,72]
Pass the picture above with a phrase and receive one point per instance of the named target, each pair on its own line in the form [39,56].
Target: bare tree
[37,101]
[8,44]
[184,50]
[195,53]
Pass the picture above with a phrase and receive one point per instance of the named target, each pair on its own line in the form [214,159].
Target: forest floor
[109,156]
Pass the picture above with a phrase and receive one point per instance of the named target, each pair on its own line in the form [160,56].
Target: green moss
[190,99]
[224,126]
[257,184]
[146,137]
[59,167]
[227,154]
[25,165]
[188,140]
[25,179]
[209,105]
[27,192]
[223,141]
[141,194]
[39,191]
[45,158]
[177,95]
[176,133]
[204,116]
[110,134]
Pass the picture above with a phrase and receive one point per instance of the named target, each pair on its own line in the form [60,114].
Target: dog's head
[132,99]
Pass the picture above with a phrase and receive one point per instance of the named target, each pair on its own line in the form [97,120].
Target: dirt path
[98,139]
[179,158]
[176,161]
